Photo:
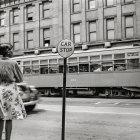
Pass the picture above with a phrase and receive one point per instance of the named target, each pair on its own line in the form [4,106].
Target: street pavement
[88,109]
[86,119]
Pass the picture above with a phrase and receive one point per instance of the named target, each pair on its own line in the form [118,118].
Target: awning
[136,89]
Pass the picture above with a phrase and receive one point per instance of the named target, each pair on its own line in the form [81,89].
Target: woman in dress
[11,105]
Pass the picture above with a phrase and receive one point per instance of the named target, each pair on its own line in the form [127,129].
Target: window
[129,27]
[61,66]
[2,18]
[1,39]
[35,67]
[46,9]
[133,64]
[92,31]
[91,4]
[15,15]
[73,68]
[119,65]
[29,13]
[110,29]
[46,37]
[76,32]
[29,39]
[106,57]
[110,2]
[119,56]
[26,67]
[16,41]
[83,64]
[107,66]
[83,67]
[44,67]
[53,67]
[119,62]
[127,1]
[73,65]
[95,65]
[76,6]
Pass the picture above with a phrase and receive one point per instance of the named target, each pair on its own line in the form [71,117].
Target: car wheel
[30,108]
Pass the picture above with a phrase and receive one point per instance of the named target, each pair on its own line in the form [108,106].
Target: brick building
[31,25]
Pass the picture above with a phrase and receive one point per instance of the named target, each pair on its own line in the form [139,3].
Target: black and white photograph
[69,69]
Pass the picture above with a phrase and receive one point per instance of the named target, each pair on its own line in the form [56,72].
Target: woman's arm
[18,74]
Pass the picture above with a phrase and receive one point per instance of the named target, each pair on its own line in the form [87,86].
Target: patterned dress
[11,105]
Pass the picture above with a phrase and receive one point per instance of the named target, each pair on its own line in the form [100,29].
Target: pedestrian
[11,105]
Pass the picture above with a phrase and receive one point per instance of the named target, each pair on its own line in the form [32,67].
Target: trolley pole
[64,99]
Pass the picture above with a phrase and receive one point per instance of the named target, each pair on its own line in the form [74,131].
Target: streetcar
[109,72]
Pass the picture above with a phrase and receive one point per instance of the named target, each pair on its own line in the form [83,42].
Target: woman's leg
[8,129]
[1,128]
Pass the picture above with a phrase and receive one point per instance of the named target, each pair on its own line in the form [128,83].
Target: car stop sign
[65,48]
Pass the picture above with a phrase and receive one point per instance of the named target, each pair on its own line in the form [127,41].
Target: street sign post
[65,49]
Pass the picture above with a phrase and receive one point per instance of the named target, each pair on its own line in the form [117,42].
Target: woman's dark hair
[6,50]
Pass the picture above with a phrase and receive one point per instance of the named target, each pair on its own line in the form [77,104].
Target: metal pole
[64,99]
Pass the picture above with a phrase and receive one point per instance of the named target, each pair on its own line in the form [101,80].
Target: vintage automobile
[29,95]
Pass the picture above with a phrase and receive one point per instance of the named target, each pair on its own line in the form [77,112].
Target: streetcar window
[83,67]
[73,68]
[26,69]
[35,62]
[72,60]
[119,65]
[61,67]
[107,57]
[26,62]
[95,64]
[83,59]
[107,66]
[95,67]
[43,61]
[35,69]
[53,61]
[133,64]
[119,56]
[60,61]
[44,69]
[95,58]
[53,68]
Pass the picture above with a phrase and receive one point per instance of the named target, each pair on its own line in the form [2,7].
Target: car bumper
[30,103]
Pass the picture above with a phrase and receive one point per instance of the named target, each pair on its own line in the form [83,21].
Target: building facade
[37,26]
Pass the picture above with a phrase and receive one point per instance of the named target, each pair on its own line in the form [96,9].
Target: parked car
[29,95]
